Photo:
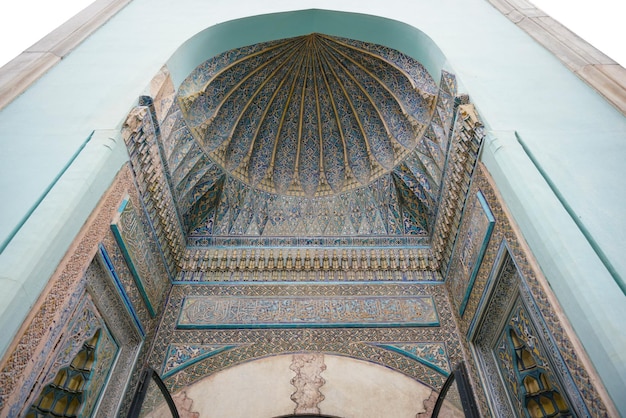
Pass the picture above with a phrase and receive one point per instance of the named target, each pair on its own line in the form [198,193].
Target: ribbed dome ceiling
[308,116]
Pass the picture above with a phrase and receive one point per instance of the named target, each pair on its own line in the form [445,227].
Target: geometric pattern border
[432,355]
[105,259]
[472,241]
[180,356]
[132,240]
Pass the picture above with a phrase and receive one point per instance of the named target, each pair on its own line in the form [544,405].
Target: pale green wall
[517,86]
[229,35]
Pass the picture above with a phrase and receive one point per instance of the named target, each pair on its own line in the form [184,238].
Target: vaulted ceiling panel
[308,136]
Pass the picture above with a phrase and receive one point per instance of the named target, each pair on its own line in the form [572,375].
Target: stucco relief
[33,345]
[184,405]
[139,250]
[308,381]
[78,274]
[472,241]
[536,295]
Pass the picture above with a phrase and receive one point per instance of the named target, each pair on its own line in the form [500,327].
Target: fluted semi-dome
[308,116]
[313,136]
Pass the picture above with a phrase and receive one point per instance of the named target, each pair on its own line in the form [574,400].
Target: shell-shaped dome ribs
[310,116]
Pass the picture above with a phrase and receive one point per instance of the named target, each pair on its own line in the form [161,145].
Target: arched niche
[310,384]
[251,30]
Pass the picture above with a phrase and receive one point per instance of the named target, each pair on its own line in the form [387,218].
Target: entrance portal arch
[305,384]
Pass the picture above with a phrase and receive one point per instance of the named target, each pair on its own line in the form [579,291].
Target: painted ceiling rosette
[308,136]
[308,116]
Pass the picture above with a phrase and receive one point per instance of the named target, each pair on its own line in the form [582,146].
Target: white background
[599,22]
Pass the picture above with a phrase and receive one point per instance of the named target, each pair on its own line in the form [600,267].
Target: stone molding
[592,66]
[20,73]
